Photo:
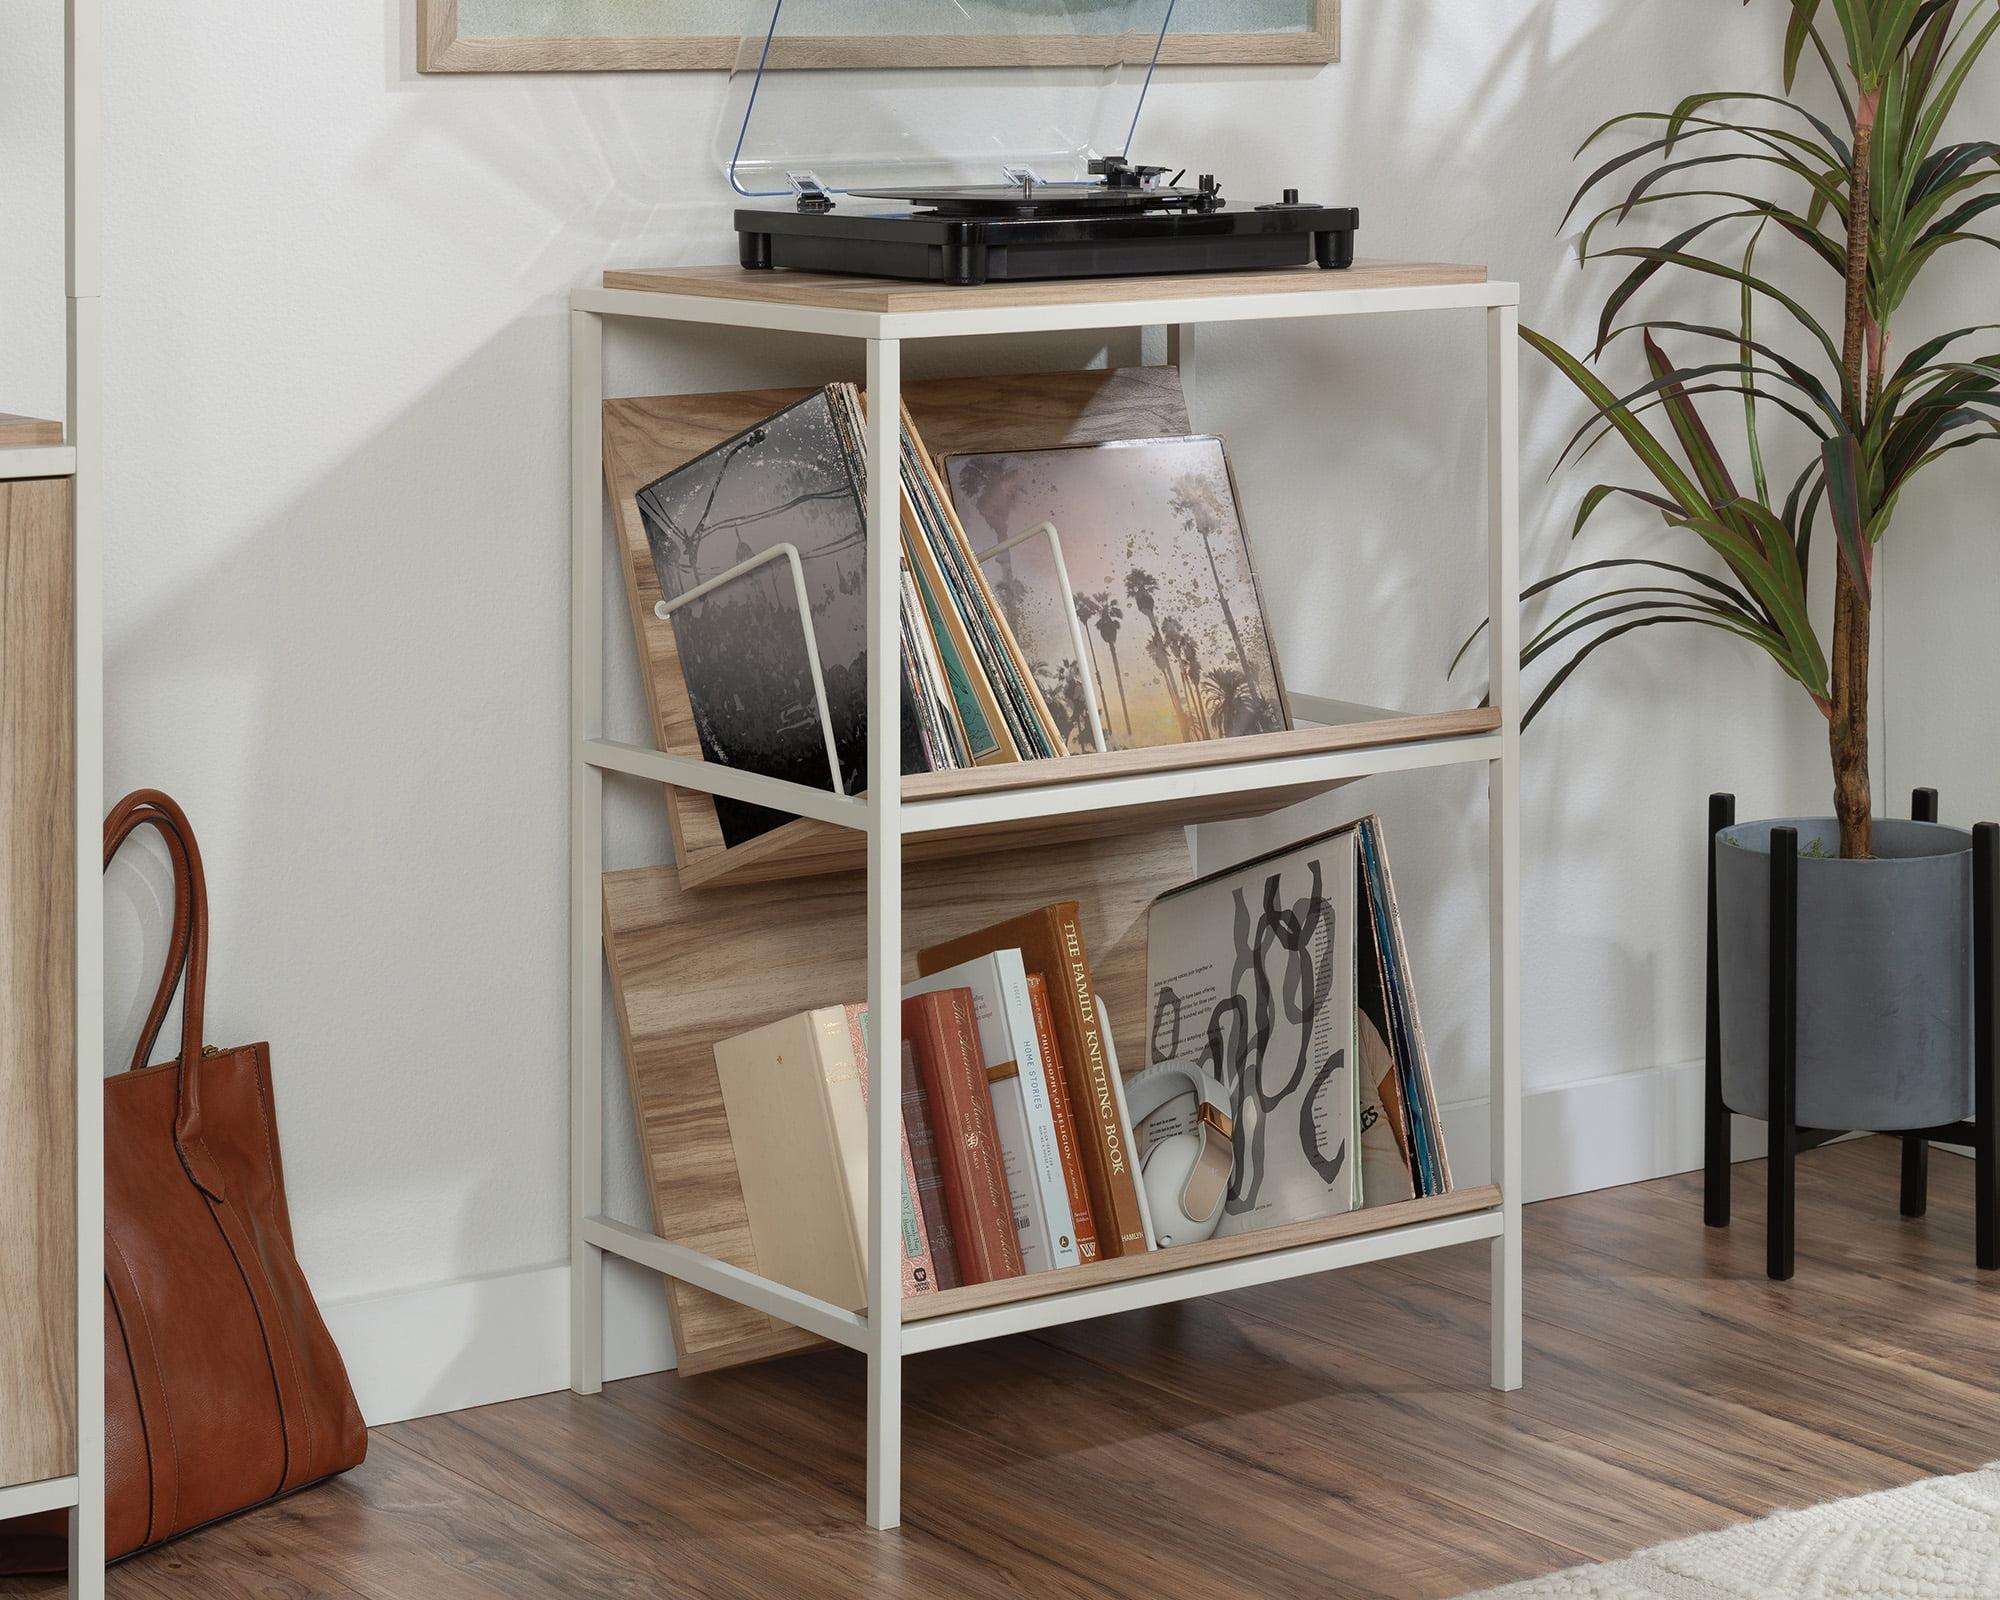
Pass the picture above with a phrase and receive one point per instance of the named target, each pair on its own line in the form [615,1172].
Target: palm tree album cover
[1162,579]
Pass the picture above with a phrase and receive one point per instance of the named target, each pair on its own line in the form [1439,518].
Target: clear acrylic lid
[1045,85]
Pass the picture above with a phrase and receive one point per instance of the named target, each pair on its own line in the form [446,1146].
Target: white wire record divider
[1085,792]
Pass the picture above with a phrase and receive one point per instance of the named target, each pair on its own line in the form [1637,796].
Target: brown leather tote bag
[222,1387]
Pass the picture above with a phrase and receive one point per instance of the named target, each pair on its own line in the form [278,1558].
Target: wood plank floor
[1331,1438]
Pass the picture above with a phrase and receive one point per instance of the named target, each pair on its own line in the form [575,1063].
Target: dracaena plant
[1850,190]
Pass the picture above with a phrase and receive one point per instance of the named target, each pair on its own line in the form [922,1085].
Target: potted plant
[1858,192]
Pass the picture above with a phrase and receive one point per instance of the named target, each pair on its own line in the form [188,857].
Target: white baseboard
[483,1340]
[1626,1127]
[451,1346]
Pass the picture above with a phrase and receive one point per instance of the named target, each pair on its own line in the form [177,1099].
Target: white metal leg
[1503,471]
[885,936]
[586,1044]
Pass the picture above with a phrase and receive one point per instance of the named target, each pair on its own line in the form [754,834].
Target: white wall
[336,588]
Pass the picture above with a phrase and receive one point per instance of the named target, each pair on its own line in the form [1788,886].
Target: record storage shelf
[943,818]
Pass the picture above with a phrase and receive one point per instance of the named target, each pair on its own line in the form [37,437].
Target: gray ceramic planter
[1885,974]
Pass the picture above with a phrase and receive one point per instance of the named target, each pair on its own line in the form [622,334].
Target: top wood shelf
[32,447]
[830,302]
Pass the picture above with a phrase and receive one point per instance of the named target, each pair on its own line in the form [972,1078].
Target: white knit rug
[1935,1540]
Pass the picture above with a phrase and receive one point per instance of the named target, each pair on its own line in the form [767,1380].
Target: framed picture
[708,35]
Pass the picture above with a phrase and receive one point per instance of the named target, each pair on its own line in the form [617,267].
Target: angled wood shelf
[1035,804]
[1186,1260]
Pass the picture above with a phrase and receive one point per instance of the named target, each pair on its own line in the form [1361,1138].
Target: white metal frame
[1076,636]
[886,819]
[79,458]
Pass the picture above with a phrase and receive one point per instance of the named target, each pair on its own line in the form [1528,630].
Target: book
[944,1035]
[800,1131]
[1160,569]
[1065,1120]
[919,1268]
[1124,1112]
[1051,942]
[929,1181]
[1017,1082]
[1250,975]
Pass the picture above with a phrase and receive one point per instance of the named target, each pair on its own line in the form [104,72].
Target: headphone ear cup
[1187,1166]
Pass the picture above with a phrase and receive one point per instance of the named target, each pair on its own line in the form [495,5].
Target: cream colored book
[800,1127]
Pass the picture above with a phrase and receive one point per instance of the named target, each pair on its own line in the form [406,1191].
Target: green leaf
[1644,445]
[1747,347]
[1716,269]
[1549,689]
[1697,444]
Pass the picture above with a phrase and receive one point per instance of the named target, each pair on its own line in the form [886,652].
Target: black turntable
[1021,169]
[1131,221]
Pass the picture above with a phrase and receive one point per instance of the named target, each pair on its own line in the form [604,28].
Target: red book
[930,1182]
[1082,1224]
[944,1034]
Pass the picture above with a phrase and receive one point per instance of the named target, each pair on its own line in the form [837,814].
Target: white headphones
[1187,1151]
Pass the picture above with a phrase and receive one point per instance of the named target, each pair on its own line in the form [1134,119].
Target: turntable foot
[754,251]
[1334,249]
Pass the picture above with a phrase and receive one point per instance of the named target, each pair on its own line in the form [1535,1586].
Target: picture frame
[447,44]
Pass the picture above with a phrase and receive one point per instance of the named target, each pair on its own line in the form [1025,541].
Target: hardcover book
[944,1037]
[1017,1082]
[1065,1120]
[1051,942]
[930,1181]
[800,1132]
[1160,572]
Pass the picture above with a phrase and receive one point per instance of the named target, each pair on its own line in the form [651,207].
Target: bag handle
[186,967]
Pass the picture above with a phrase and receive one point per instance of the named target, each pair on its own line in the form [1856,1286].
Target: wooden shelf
[21,432]
[1240,1247]
[886,297]
[1033,804]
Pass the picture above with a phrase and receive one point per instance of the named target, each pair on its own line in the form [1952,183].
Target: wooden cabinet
[38,1296]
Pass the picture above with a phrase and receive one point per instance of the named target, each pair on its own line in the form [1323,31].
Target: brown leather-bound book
[944,1033]
[930,1180]
[1051,942]
[1082,1224]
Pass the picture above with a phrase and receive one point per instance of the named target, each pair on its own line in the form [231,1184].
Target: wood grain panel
[37,986]
[18,431]
[690,969]
[832,291]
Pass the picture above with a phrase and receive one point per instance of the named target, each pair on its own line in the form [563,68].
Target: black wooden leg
[1917,1150]
[1715,1117]
[1784,1064]
[1985,1044]
[1916,1174]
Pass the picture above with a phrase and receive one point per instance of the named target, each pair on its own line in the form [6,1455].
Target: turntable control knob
[1291,197]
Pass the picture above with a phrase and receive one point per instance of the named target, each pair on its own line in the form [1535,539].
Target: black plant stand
[1787,1138]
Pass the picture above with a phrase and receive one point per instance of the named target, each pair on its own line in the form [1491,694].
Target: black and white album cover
[1251,974]
[743,647]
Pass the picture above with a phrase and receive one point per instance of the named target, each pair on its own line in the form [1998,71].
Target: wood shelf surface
[887,296]
[1225,780]
[17,433]
[1238,1247]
